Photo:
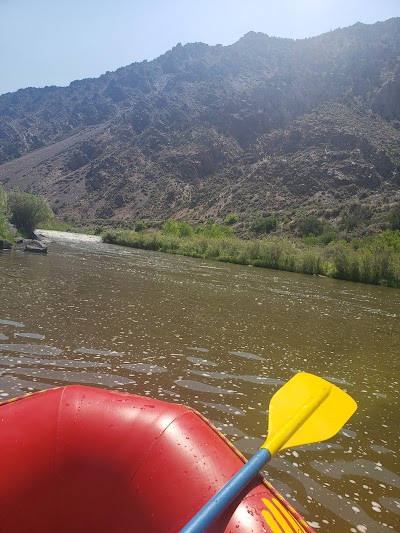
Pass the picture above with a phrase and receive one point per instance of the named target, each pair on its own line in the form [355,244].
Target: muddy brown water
[221,338]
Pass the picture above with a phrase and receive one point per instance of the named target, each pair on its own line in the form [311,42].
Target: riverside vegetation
[374,260]
[24,210]
[317,250]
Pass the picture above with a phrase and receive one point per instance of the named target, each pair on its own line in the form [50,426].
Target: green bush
[310,226]
[311,262]
[231,219]
[394,217]
[214,231]
[328,235]
[140,226]
[388,239]
[262,224]
[357,215]
[27,210]
[3,215]
[178,228]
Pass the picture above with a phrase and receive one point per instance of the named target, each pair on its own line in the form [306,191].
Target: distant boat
[35,246]
[79,458]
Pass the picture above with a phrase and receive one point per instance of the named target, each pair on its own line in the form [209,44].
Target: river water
[221,338]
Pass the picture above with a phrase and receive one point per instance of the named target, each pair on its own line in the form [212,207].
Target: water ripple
[74,377]
[145,368]
[253,379]
[248,355]
[12,323]
[34,349]
[36,336]
[202,387]
[224,408]
[89,351]
[199,361]
[358,468]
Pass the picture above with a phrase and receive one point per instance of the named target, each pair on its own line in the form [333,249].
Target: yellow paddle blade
[306,409]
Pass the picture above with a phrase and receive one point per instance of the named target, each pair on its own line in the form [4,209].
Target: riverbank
[375,260]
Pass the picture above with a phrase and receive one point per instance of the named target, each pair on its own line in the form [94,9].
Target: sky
[53,42]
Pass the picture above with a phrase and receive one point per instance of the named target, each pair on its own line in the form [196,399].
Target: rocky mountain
[276,126]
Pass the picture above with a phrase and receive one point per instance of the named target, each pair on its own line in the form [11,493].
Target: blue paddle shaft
[227,494]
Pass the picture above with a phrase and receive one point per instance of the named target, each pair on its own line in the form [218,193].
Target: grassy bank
[374,260]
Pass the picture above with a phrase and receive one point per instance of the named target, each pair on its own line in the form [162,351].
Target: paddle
[306,409]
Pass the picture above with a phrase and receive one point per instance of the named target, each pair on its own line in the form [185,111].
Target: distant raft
[84,459]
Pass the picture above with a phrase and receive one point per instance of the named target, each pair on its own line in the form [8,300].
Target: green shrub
[140,226]
[27,210]
[3,215]
[231,219]
[178,228]
[357,215]
[214,231]
[329,235]
[341,257]
[394,217]
[311,262]
[310,226]
[389,239]
[262,224]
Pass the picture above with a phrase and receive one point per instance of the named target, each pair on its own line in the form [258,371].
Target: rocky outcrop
[266,124]
[387,101]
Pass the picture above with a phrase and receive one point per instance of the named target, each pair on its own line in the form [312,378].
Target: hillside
[265,125]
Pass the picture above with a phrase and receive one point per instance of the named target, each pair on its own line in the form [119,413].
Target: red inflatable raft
[81,459]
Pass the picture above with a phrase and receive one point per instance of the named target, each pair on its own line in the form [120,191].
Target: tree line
[317,249]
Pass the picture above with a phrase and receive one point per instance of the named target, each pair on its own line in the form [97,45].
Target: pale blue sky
[53,42]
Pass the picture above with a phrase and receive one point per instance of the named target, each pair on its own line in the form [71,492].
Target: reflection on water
[221,338]
[223,375]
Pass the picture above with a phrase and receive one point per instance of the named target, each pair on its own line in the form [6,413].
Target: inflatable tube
[84,459]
